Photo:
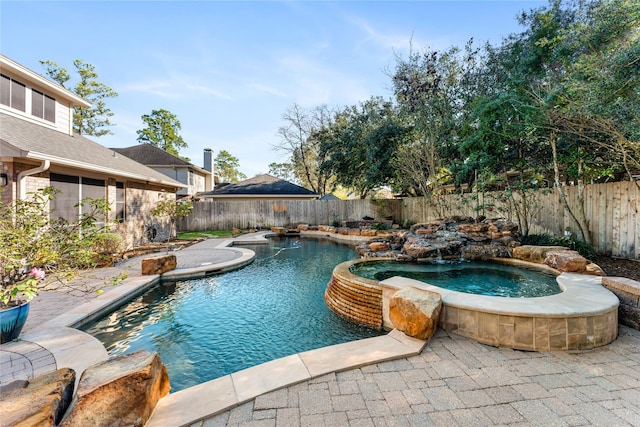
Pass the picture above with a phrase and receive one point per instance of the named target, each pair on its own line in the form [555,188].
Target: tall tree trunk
[582,217]
[582,227]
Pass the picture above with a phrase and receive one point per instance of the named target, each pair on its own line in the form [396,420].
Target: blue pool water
[473,277]
[207,328]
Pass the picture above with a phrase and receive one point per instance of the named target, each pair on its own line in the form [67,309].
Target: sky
[230,70]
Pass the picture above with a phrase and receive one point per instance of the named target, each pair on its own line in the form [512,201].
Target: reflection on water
[473,277]
[207,328]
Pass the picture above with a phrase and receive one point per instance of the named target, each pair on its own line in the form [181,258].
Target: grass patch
[189,235]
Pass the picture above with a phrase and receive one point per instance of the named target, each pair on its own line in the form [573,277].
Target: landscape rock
[415,312]
[569,261]
[594,270]
[159,264]
[534,253]
[379,246]
[486,252]
[122,391]
[446,238]
[420,248]
[41,401]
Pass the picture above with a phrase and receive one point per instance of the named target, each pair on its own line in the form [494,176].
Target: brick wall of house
[140,226]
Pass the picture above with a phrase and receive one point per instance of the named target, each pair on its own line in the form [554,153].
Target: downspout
[21,189]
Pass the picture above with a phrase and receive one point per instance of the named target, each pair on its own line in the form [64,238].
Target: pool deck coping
[200,402]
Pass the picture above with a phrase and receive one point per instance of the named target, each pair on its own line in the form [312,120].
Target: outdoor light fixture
[4,179]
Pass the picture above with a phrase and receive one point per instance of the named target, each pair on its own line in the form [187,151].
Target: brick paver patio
[458,382]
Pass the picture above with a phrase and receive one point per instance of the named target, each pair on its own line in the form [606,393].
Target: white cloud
[173,88]
[267,89]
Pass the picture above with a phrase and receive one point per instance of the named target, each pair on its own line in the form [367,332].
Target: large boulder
[159,264]
[570,261]
[122,391]
[415,312]
[536,254]
[41,401]
[486,251]
[418,248]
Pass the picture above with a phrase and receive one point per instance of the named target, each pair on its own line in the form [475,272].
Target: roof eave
[33,77]
[194,167]
[96,168]
[246,196]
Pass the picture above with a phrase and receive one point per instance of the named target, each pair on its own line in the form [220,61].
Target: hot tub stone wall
[628,292]
[536,333]
[366,302]
[354,298]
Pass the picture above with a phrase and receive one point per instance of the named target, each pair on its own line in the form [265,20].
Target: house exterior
[261,187]
[38,149]
[195,179]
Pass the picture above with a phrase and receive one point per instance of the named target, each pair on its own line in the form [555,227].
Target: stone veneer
[353,297]
[628,292]
[583,316]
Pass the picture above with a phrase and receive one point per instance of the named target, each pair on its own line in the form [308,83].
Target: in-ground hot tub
[583,316]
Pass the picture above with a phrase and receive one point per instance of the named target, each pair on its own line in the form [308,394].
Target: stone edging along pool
[583,316]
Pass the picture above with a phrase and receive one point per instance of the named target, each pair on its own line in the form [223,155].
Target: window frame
[16,99]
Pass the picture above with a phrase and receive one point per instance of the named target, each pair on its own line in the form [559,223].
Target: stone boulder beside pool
[40,401]
[119,391]
[415,312]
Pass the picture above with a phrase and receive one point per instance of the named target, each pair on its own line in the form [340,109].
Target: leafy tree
[227,167]
[162,131]
[174,209]
[580,66]
[360,146]
[301,140]
[282,171]
[430,90]
[86,120]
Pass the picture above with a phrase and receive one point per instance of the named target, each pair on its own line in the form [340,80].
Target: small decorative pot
[11,322]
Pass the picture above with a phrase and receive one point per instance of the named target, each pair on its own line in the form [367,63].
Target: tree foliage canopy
[92,120]
[555,104]
[227,167]
[162,131]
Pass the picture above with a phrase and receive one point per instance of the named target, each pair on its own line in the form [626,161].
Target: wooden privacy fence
[611,210]
[243,214]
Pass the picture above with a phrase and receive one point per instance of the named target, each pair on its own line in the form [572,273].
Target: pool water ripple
[473,277]
[207,328]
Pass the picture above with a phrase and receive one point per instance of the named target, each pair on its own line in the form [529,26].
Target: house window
[72,190]
[43,106]
[64,206]
[93,189]
[12,93]
[120,206]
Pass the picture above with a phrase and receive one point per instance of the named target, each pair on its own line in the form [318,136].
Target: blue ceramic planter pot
[11,322]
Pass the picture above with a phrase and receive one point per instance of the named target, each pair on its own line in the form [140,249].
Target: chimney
[208,159]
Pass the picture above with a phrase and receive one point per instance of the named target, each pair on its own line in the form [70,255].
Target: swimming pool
[207,328]
[472,277]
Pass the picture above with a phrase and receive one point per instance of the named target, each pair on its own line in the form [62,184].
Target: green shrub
[36,250]
[108,243]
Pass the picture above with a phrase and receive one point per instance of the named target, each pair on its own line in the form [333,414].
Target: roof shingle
[41,143]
